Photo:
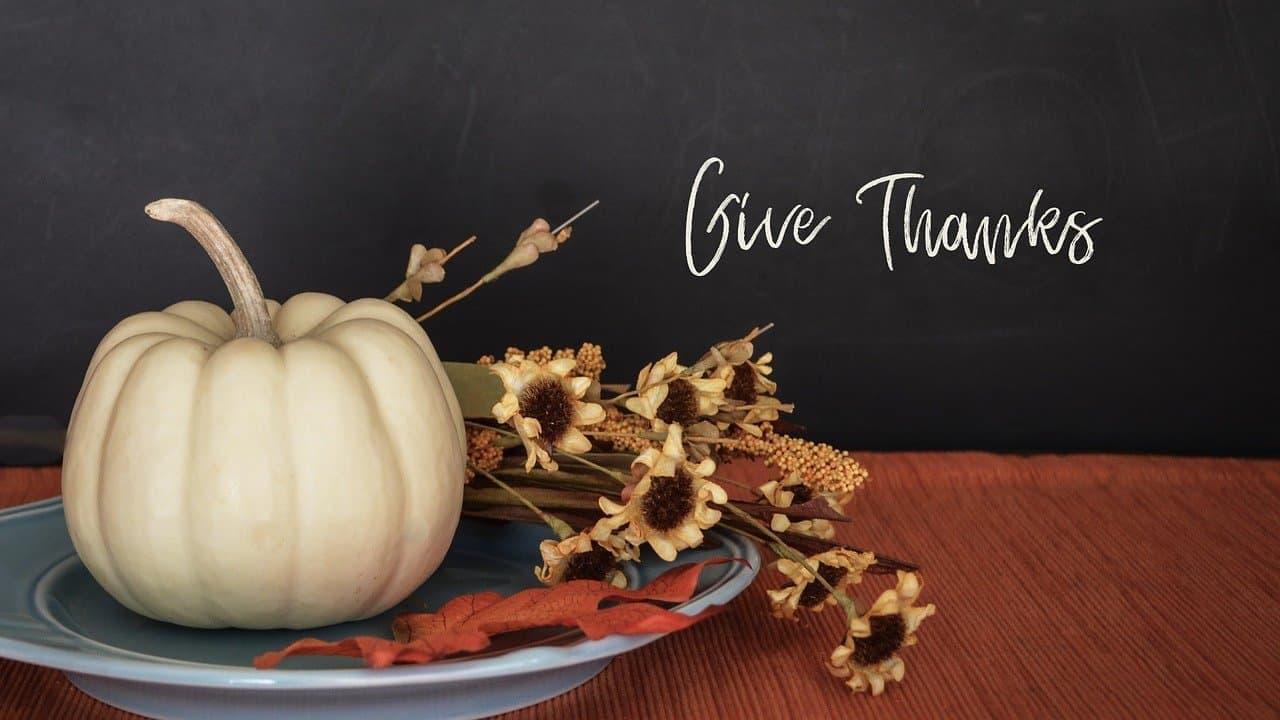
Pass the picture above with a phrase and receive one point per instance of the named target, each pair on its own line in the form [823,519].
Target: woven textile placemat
[1066,586]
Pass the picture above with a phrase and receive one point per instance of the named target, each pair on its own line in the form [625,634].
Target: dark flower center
[801,494]
[887,634]
[815,592]
[681,405]
[668,501]
[546,401]
[743,385]
[595,564]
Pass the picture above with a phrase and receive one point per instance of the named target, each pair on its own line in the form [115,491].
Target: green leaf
[477,388]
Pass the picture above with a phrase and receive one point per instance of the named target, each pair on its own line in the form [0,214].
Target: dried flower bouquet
[613,468]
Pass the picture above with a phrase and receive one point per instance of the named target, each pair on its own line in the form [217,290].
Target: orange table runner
[1085,586]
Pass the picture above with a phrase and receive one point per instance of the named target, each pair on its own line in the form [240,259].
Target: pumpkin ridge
[119,333]
[74,458]
[207,607]
[122,580]
[202,311]
[355,339]
[377,597]
[389,314]
[295,561]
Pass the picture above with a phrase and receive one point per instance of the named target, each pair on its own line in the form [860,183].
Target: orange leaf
[467,623]
[380,652]
[637,619]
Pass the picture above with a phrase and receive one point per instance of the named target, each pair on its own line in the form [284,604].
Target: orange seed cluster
[822,466]
[590,358]
[482,450]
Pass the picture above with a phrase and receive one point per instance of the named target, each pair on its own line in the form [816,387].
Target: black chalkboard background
[329,136]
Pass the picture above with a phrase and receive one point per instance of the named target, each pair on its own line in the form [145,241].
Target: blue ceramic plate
[53,613]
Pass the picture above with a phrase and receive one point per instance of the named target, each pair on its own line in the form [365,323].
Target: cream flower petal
[578,386]
[707,384]
[590,413]
[657,395]
[505,408]
[690,535]
[718,495]
[664,548]
[647,457]
[673,445]
[562,367]
[641,406]
[609,507]
[508,374]
[573,441]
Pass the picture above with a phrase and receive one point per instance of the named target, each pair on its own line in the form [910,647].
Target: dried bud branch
[426,266]
[536,240]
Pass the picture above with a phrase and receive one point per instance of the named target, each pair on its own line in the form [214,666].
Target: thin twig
[486,278]
[560,527]
[575,217]
[461,246]
[438,308]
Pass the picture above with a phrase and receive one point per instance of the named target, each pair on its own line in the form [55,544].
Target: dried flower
[666,396]
[671,504]
[581,558]
[790,491]
[840,567]
[544,405]
[868,657]
[534,241]
[425,266]
[483,452]
[749,394]
[732,352]
[830,471]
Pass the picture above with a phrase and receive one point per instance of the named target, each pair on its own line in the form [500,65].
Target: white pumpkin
[280,467]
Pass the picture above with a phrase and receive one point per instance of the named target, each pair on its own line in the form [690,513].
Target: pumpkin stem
[250,314]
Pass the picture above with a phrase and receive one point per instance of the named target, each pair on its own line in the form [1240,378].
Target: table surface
[1083,585]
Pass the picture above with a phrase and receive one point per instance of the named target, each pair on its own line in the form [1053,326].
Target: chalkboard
[329,136]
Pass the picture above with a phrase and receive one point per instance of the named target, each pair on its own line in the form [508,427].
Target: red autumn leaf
[467,623]
[637,619]
[379,652]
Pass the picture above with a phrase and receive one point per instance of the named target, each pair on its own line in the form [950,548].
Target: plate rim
[164,671]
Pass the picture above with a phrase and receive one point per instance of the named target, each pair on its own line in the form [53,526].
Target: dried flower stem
[558,526]
[611,473]
[713,356]
[459,248]
[782,548]
[491,276]
[438,308]
[659,436]
[785,407]
[559,479]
